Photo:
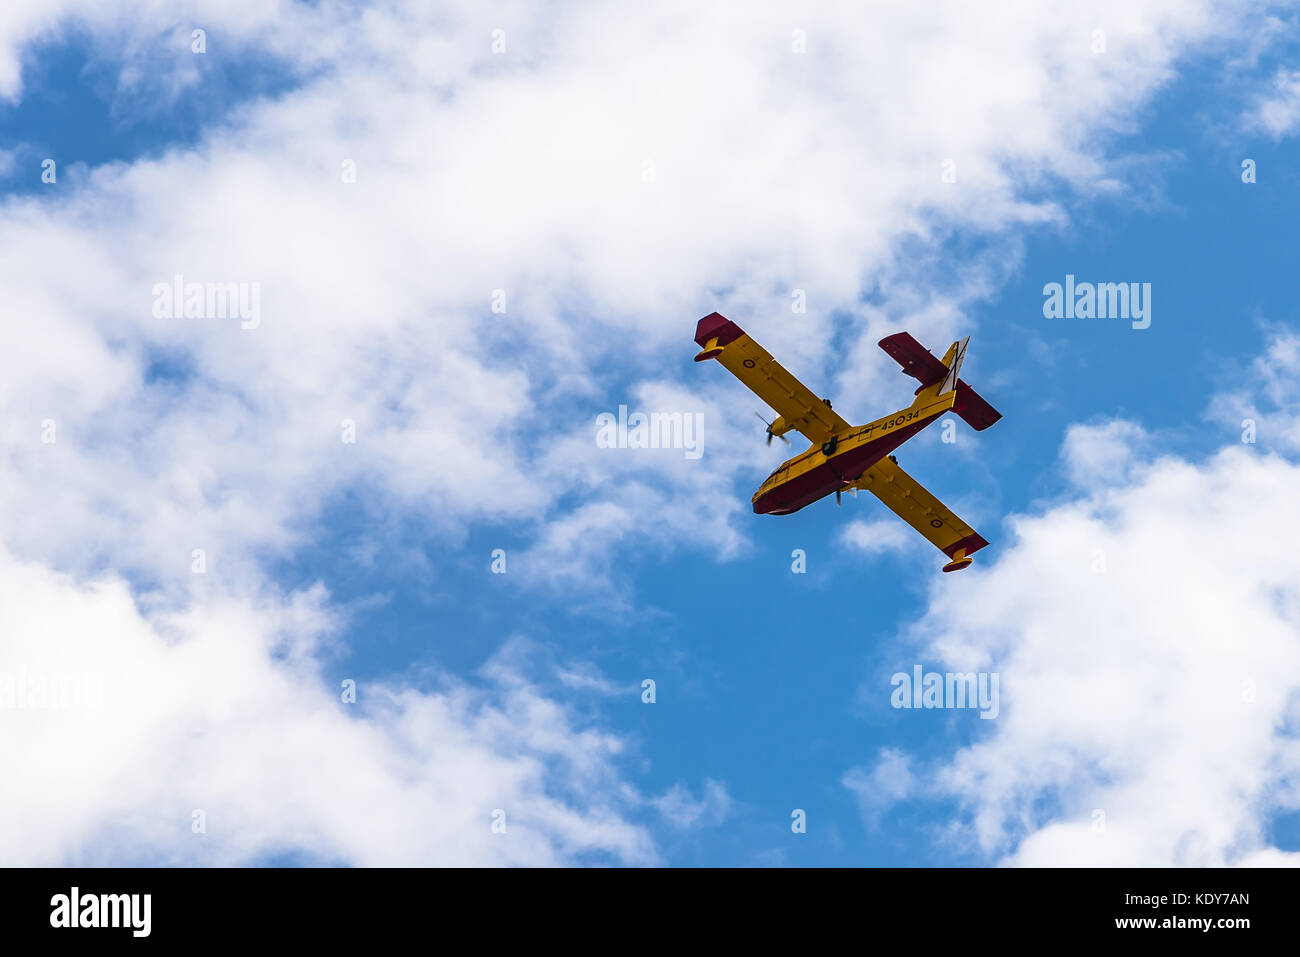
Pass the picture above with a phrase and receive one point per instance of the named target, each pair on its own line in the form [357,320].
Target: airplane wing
[910,501]
[720,338]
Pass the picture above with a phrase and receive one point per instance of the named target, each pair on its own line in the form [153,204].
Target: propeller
[769,429]
[853,490]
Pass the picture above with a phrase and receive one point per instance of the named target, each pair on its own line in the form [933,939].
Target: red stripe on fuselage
[838,470]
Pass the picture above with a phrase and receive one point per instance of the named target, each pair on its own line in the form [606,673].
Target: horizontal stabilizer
[917,361]
[970,405]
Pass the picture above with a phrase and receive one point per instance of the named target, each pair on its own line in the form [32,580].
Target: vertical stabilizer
[954,366]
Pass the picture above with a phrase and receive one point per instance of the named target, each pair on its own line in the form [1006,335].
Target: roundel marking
[748,363]
[935,523]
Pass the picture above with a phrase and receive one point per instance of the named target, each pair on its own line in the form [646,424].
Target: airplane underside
[836,473]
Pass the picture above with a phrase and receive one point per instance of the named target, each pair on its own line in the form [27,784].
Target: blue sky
[522,691]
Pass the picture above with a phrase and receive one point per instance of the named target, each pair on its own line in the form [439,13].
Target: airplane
[850,457]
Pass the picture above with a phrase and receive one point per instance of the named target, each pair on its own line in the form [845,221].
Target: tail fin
[968,404]
[953,360]
[943,378]
[937,377]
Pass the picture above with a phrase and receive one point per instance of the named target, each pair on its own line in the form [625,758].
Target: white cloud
[1277,113]
[522,171]
[1101,454]
[877,536]
[891,780]
[1150,677]
[685,812]
[1265,409]
[225,709]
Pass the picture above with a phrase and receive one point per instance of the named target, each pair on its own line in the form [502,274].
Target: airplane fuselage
[824,469]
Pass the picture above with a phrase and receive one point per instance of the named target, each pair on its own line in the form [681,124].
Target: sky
[347,577]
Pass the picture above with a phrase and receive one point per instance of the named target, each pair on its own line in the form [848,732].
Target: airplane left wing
[799,408]
[910,501]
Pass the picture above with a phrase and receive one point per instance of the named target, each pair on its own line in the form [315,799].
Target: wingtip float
[846,457]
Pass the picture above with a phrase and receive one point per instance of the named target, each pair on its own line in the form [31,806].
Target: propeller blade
[770,433]
[838,503]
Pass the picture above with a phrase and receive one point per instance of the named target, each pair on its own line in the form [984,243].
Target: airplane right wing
[909,500]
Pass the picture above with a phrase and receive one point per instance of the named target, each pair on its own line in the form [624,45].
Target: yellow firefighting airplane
[851,457]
